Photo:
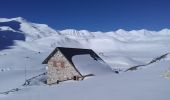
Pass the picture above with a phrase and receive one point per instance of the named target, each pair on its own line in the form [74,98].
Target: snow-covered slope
[31,31]
[24,45]
[103,41]
[21,34]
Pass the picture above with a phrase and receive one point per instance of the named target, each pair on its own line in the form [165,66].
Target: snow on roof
[85,64]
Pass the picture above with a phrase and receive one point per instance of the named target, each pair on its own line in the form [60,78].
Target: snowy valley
[24,45]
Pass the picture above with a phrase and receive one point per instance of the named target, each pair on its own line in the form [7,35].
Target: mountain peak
[19,19]
[121,31]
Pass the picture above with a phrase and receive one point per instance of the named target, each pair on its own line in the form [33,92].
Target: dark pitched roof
[70,52]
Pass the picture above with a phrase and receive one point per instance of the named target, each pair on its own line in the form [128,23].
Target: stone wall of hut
[60,69]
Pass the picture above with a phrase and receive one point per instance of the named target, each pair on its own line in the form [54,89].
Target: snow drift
[87,65]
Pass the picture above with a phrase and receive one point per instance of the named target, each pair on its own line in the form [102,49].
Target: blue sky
[93,15]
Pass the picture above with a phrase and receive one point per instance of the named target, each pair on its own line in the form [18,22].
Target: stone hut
[61,67]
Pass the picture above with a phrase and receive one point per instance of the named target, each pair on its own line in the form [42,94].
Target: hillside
[24,45]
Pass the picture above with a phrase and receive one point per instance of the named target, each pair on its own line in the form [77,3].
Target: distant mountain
[30,30]
[20,32]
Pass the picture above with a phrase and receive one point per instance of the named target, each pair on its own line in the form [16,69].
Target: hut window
[58,64]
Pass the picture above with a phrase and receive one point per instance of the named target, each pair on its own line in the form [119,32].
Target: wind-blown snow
[28,44]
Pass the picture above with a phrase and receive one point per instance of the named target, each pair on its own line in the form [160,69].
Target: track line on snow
[151,62]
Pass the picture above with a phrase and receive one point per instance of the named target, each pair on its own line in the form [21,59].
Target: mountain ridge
[74,31]
[35,36]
